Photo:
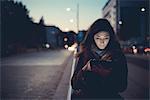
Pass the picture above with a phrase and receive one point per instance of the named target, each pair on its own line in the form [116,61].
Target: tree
[16,25]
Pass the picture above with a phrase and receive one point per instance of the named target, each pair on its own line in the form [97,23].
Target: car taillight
[147,50]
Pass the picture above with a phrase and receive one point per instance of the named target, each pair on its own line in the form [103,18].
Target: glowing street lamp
[68,9]
[47,45]
[71,20]
[77,16]
[143,9]
[143,21]
[120,22]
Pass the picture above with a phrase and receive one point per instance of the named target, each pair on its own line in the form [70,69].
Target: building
[109,12]
[129,18]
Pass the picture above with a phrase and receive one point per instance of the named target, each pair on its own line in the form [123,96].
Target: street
[35,76]
[138,78]
[41,41]
[46,75]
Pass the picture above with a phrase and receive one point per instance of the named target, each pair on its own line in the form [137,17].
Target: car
[147,50]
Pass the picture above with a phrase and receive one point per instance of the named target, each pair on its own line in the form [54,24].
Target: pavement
[139,56]
[138,83]
[138,78]
[63,87]
[36,76]
[46,76]
[139,60]
[55,57]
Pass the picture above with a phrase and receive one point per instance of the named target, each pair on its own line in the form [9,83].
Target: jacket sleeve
[114,73]
[77,73]
[119,74]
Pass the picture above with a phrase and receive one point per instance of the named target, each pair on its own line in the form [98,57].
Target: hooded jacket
[109,71]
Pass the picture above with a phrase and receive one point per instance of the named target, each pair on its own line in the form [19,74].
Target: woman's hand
[87,67]
[106,57]
[102,71]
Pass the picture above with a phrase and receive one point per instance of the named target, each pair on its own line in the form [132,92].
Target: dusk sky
[55,13]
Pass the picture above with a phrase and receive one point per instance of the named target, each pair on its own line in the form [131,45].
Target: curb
[72,71]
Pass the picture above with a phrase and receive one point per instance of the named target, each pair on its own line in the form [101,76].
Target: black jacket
[105,79]
[109,75]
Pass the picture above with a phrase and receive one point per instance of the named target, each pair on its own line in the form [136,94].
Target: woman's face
[101,39]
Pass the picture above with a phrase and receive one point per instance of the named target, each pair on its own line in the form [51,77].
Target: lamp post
[142,15]
[77,17]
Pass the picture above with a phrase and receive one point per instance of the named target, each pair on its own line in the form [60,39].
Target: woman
[101,71]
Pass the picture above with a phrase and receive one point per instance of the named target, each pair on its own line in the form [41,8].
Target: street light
[142,22]
[143,9]
[71,20]
[47,45]
[68,9]
[120,22]
[77,17]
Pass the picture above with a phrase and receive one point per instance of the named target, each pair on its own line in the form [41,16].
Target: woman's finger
[86,66]
[89,67]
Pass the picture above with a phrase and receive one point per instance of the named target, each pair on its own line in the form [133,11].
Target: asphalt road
[34,76]
[138,78]
[46,76]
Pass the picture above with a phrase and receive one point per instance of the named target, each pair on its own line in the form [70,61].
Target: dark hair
[98,26]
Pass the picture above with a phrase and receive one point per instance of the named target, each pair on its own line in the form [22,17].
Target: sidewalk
[37,76]
[142,61]
[62,89]
[139,56]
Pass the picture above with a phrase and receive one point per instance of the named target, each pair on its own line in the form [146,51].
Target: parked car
[147,50]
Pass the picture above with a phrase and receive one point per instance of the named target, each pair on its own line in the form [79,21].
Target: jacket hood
[101,25]
[98,26]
